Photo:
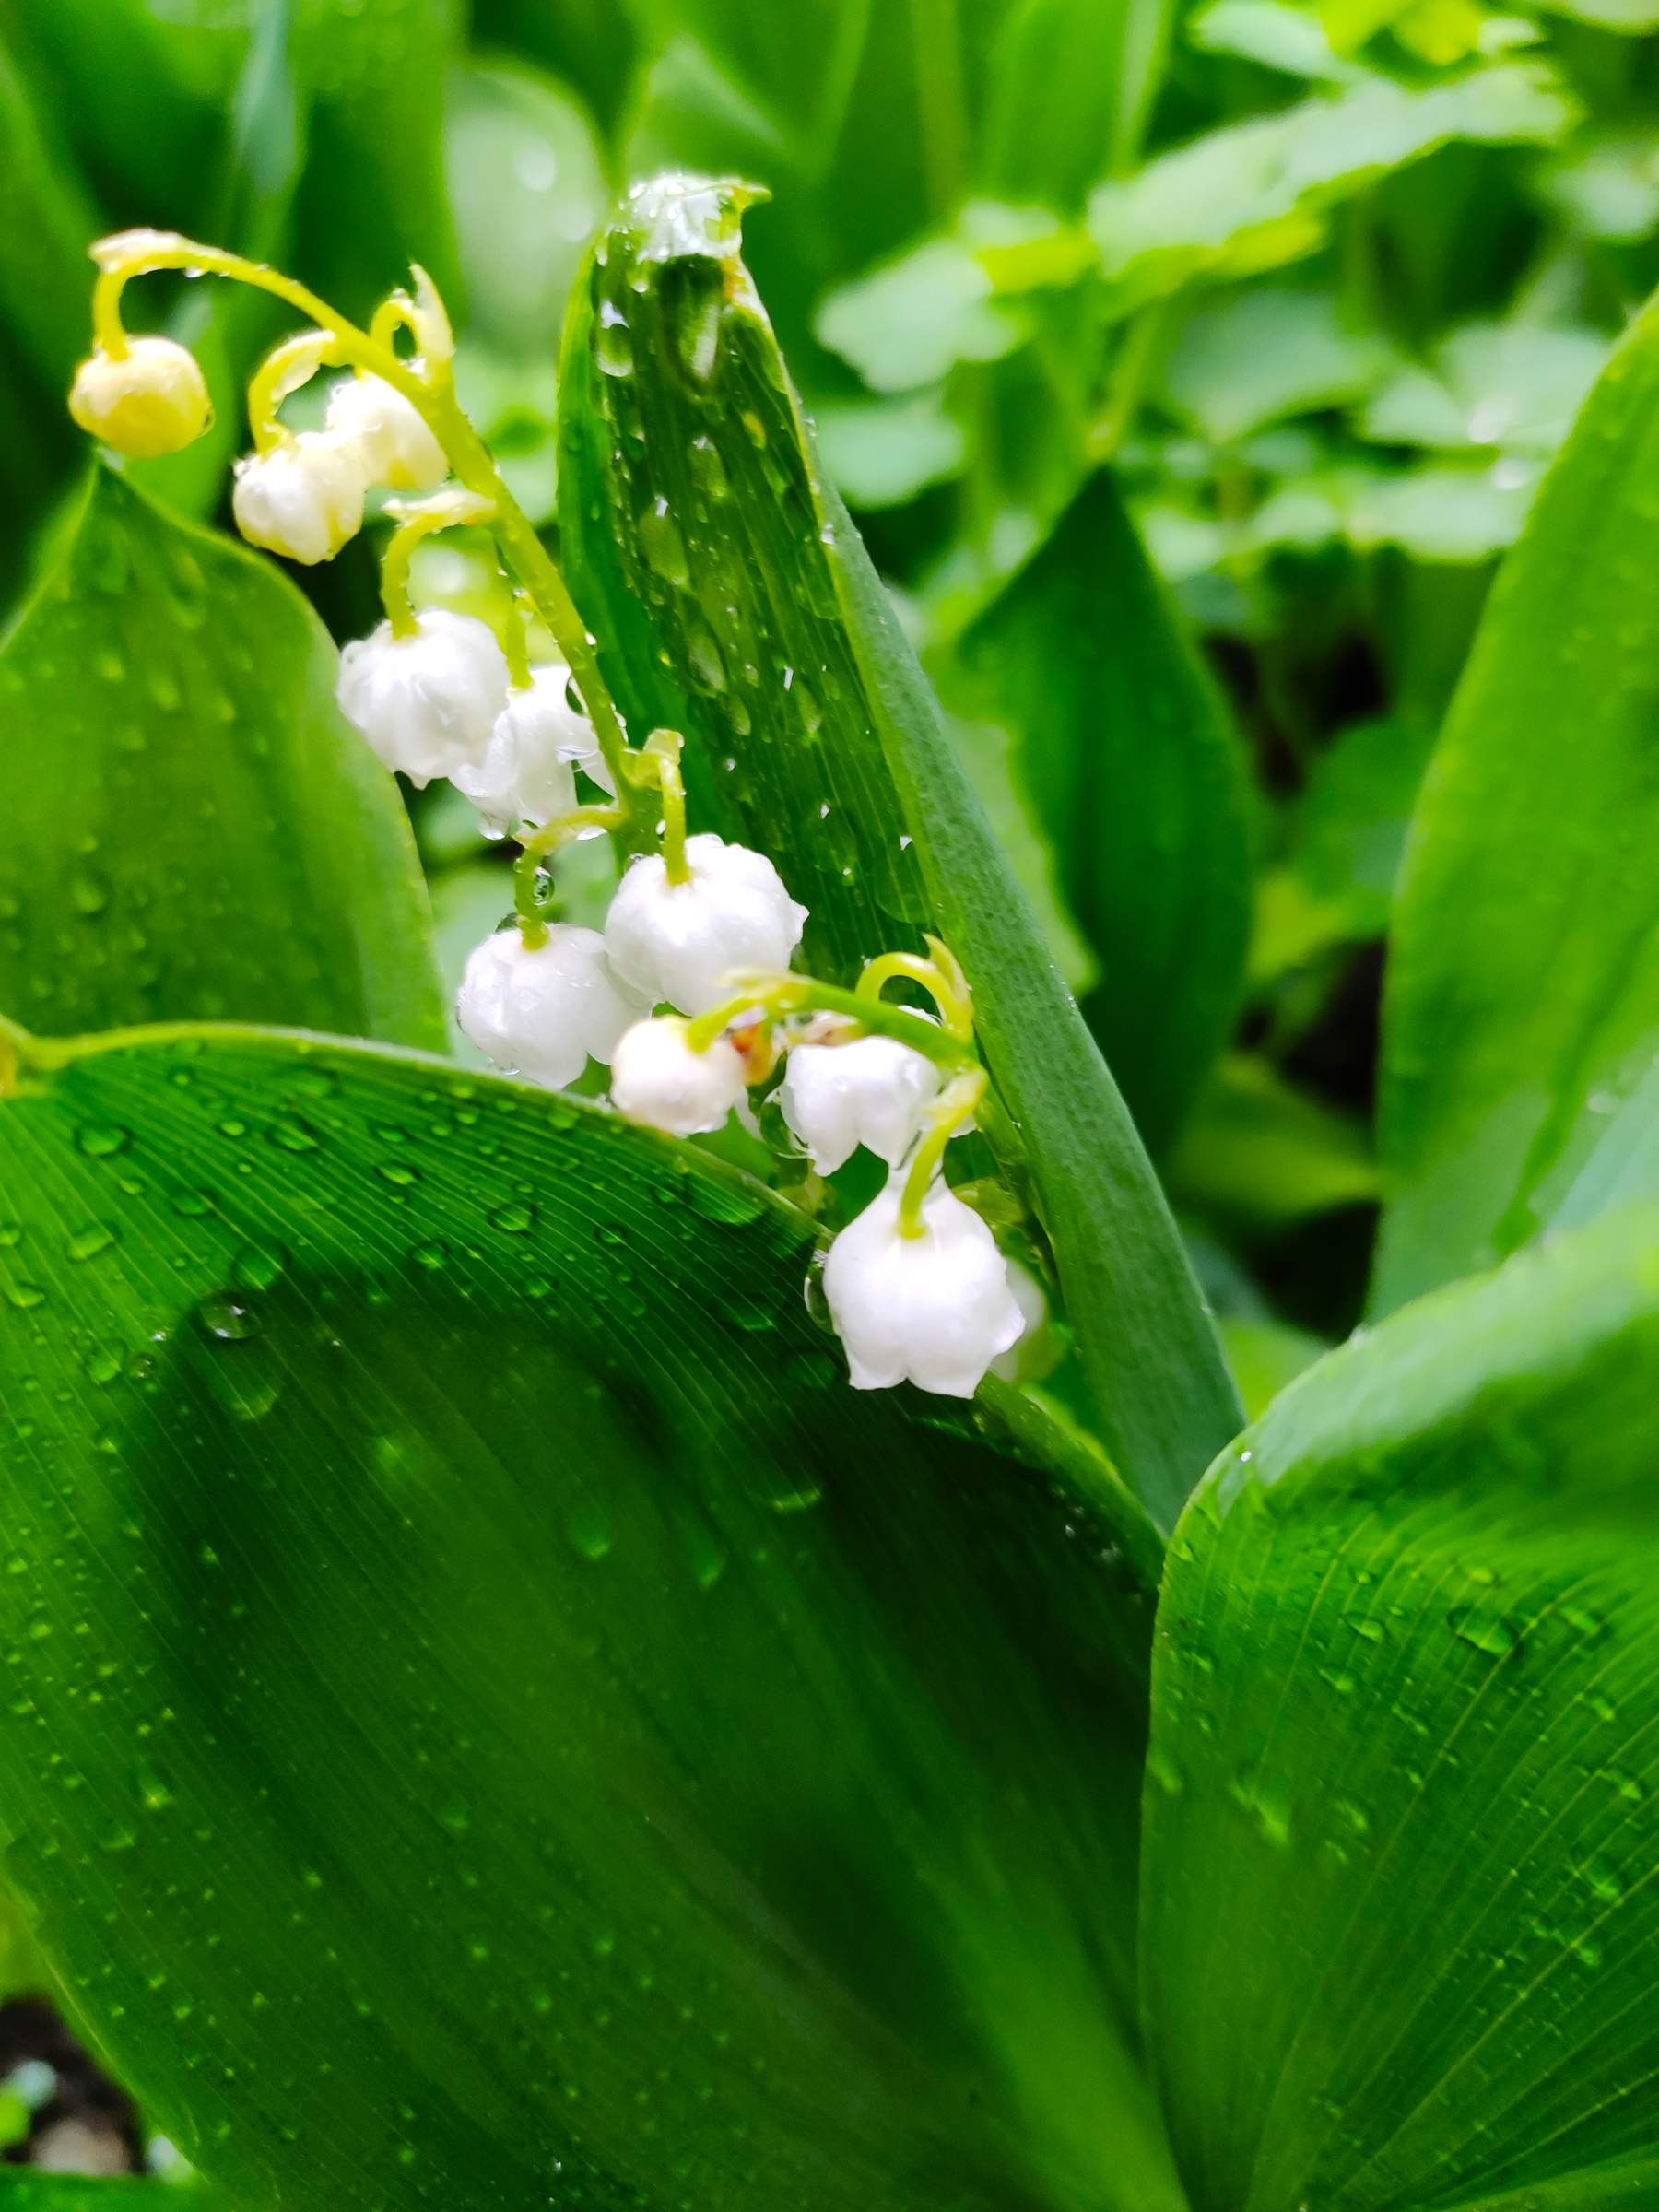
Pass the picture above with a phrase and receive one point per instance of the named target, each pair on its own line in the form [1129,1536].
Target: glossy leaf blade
[538,1728]
[187,826]
[737,604]
[1523,980]
[1122,742]
[1398,1902]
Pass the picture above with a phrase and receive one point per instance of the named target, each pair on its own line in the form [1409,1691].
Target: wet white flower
[934,1310]
[544,1012]
[428,703]
[526,775]
[153,400]
[392,445]
[871,1091]
[303,498]
[656,1078]
[678,941]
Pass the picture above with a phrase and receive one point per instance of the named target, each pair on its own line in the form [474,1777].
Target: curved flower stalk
[688,992]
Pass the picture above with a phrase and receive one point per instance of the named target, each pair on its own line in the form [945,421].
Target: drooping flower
[302,499]
[152,400]
[678,941]
[392,443]
[545,1010]
[427,702]
[526,775]
[871,1091]
[934,1310]
[659,1080]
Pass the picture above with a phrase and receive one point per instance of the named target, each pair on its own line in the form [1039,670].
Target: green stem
[445,512]
[283,370]
[430,392]
[532,916]
[777,993]
[953,1106]
[941,977]
[1137,350]
[938,51]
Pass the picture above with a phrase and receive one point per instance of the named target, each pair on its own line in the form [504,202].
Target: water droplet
[24,1296]
[397,1172]
[258,1267]
[513,1219]
[1486,1631]
[99,1139]
[224,1319]
[87,1242]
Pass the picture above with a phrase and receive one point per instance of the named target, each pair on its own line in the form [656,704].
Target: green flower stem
[953,1106]
[430,389]
[532,915]
[774,993]
[449,511]
[283,370]
[940,976]
[656,767]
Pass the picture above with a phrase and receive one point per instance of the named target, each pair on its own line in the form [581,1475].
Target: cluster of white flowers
[679,993]
[304,495]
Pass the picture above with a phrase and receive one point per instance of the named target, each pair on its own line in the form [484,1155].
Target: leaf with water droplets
[188,829]
[1401,1912]
[485,1728]
[763,633]
[1521,1060]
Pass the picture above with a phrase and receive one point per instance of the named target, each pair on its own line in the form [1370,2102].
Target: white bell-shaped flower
[658,1079]
[303,498]
[1033,1353]
[394,445]
[153,400]
[543,1011]
[934,1310]
[526,775]
[428,703]
[678,941]
[871,1091]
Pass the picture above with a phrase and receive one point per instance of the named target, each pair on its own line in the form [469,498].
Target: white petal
[427,703]
[543,1011]
[525,776]
[936,1309]
[302,500]
[872,1092]
[678,942]
[658,1080]
[394,445]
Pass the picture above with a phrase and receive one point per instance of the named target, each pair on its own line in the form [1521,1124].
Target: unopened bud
[151,400]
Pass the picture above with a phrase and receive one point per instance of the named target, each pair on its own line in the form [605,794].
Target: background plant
[1189,379]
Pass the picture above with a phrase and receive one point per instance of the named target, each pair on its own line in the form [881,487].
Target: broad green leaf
[1259,1153]
[906,323]
[527,185]
[538,1730]
[187,827]
[46,221]
[1435,512]
[1254,195]
[1071,86]
[1398,1898]
[1515,385]
[1254,356]
[734,600]
[1273,34]
[881,453]
[23,2189]
[1122,743]
[1607,184]
[1524,982]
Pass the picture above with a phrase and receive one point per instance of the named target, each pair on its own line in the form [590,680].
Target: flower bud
[656,1078]
[525,776]
[678,941]
[428,703]
[303,498]
[153,400]
[934,1310]
[543,1011]
[871,1091]
[392,441]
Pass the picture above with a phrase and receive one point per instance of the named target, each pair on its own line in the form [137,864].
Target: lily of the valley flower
[151,400]
[303,497]
[658,1079]
[678,941]
[871,1091]
[392,445]
[527,774]
[934,1309]
[427,702]
[545,1010]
